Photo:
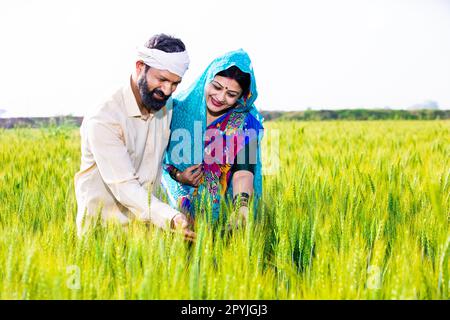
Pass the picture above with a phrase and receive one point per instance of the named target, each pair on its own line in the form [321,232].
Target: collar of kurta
[132,107]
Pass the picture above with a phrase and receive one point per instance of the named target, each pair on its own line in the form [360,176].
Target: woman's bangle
[241,200]
[177,176]
[173,172]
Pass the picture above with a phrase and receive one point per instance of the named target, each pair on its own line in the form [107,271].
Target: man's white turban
[175,62]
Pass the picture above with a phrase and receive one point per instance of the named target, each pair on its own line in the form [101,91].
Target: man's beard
[149,102]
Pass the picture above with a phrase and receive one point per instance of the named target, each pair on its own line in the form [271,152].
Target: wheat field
[355,210]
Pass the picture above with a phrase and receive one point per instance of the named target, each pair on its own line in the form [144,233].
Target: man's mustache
[161,94]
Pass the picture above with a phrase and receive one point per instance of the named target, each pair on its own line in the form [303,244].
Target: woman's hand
[239,220]
[191,176]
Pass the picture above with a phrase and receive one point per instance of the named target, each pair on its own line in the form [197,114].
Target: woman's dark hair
[242,78]
[165,43]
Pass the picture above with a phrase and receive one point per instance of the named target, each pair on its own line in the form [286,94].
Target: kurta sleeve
[117,172]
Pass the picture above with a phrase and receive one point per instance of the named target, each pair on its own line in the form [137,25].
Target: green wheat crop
[354,210]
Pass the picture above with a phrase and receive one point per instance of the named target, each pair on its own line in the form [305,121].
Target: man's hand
[182,223]
[191,176]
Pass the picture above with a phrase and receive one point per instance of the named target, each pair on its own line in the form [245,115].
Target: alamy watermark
[374,277]
[73,281]
[216,146]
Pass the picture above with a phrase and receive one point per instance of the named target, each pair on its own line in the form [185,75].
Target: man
[123,142]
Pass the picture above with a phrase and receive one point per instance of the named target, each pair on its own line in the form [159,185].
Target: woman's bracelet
[173,172]
[241,200]
[177,176]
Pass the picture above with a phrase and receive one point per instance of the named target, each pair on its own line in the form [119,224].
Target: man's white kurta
[121,163]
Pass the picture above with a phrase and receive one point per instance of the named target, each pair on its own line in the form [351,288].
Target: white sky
[64,57]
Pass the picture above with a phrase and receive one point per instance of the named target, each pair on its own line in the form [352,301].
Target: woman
[219,155]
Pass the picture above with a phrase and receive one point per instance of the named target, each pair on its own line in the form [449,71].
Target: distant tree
[358,114]
[427,104]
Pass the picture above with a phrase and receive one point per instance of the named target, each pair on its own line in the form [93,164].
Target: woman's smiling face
[221,94]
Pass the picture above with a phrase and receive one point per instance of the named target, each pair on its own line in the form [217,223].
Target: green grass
[357,210]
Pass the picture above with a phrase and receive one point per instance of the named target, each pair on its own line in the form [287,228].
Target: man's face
[156,86]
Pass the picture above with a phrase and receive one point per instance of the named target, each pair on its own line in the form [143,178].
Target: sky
[65,57]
